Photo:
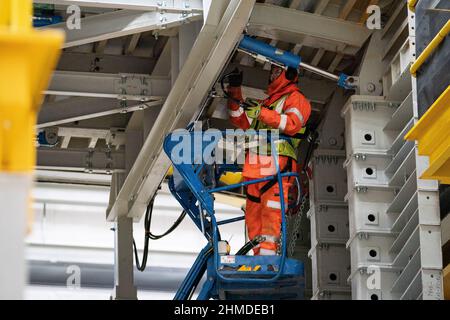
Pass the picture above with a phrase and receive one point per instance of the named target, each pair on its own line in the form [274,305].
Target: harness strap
[269,184]
[301,136]
[274,180]
[252,198]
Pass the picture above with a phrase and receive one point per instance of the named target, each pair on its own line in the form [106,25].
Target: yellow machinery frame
[432,132]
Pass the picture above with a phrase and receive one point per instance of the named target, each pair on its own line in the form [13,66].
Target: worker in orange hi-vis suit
[287,110]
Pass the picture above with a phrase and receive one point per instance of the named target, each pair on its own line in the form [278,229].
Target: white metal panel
[328,185]
[369,171]
[330,268]
[367,249]
[329,224]
[362,286]
[368,211]
[365,119]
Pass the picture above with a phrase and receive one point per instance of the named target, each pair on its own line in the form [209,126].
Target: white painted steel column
[124,288]
[15,206]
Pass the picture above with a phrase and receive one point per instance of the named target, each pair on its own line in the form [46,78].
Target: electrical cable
[171,229]
[139,266]
[150,236]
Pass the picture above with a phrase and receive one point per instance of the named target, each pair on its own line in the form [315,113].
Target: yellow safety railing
[27,59]
[412,5]
[432,134]
[430,48]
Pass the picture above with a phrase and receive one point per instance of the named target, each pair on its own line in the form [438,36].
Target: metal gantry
[370,213]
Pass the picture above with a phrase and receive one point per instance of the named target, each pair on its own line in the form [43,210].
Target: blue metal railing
[200,195]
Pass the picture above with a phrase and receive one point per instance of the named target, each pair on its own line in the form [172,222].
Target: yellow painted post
[27,59]
[412,5]
[21,15]
[447,282]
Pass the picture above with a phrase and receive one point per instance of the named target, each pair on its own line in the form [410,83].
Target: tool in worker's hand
[235,80]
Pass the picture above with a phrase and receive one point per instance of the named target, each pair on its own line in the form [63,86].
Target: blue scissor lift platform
[228,277]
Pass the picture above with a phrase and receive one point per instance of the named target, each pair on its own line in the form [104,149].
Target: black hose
[225,92]
[171,229]
[147,220]
[150,236]
[250,245]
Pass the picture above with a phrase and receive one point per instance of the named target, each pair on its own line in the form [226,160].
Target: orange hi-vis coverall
[263,207]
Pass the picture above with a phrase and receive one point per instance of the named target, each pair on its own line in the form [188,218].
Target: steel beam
[321,6]
[347,9]
[115,138]
[67,177]
[138,87]
[78,109]
[210,53]
[121,23]
[132,43]
[145,5]
[288,25]
[80,160]
[104,63]
[124,288]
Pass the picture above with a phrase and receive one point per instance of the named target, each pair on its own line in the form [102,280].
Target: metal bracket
[89,165]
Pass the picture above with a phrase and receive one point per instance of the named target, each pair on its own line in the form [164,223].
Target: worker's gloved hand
[235,79]
[253,112]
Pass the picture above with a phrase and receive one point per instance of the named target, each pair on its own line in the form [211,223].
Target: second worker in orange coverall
[287,110]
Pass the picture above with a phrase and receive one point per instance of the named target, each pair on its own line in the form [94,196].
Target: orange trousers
[263,215]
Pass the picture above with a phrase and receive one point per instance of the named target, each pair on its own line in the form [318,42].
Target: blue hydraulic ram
[267,53]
